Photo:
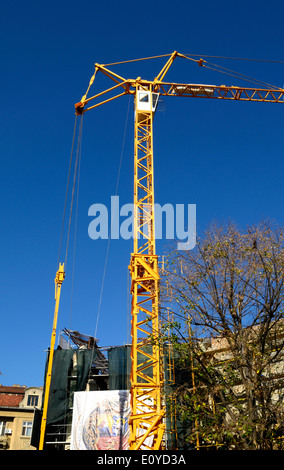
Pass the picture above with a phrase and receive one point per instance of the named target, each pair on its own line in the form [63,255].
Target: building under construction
[79,365]
[89,405]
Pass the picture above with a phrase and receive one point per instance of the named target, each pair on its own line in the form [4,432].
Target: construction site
[121,397]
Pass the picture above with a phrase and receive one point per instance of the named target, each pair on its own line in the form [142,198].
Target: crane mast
[146,421]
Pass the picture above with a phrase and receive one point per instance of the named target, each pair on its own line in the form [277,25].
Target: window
[32,400]
[155,98]
[143,97]
[27,428]
[2,428]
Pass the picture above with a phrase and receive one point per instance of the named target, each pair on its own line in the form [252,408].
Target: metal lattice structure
[147,411]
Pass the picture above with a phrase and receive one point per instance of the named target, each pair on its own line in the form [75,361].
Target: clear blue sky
[225,157]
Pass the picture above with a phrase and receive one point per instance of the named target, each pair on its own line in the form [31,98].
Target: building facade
[17,406]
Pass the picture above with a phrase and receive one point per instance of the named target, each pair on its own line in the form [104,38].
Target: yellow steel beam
[60,275]
[168,64]
[192,90]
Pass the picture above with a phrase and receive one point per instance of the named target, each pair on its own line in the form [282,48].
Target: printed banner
[100,420]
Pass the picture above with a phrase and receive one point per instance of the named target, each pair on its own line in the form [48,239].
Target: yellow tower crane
[147,407]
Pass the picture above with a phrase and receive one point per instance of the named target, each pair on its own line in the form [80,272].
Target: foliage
[222,309]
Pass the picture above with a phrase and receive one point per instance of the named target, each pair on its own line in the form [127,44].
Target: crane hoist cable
[59,278]
[138,60]
[236,58]
[188,55]
[73,188]
[75,239]
[235,74]
[108,244]
[67,188]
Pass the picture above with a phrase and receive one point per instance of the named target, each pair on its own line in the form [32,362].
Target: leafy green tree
[222,310]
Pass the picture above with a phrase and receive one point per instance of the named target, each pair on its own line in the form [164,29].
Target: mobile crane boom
[146,422]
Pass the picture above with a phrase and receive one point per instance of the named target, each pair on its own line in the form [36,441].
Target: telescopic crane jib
[147,407]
